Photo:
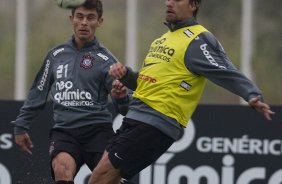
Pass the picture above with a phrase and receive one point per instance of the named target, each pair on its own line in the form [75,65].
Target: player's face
[85,23]
[178,10]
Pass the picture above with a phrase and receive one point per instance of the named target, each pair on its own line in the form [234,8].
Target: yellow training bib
[164,82]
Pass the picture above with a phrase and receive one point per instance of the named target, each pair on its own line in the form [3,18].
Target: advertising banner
[16,167]
[222,144]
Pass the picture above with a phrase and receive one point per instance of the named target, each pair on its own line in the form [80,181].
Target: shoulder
[106,54]
[209,39]
[204,42]
[60,48]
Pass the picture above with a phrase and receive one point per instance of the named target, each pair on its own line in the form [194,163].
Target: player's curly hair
[92,4]
[197,3]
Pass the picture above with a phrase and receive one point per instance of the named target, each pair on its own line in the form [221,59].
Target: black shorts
[84,144]
[135,146]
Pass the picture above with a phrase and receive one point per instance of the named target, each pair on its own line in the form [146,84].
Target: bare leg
[64,167]
[105,173]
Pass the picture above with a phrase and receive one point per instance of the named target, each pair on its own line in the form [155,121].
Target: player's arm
[118,92]
[260,106]
[121,95]
[206,57]
[24,142]
[125,74]
[34,103]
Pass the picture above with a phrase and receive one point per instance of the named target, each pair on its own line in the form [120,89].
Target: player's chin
[84,37]
[170,18]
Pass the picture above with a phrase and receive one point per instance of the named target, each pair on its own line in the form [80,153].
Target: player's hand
[117,70]
[262,107]
[118,89]
[24,142]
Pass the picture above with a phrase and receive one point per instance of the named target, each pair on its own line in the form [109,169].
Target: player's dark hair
[92,4]
[197,3]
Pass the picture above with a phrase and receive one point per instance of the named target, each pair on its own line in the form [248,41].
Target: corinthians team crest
[87,61]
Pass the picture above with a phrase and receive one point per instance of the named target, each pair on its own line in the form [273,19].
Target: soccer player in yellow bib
[167,90]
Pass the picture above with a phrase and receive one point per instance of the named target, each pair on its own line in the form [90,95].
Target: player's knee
[63,169]
[105,174]
[102,178]
[99,172]
[63,166]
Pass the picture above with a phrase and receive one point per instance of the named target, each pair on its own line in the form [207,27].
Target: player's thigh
[135,146]
[64,151]
[95,144]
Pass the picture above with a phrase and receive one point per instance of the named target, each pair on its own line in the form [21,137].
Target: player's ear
[71,18]
[192,6]
[100,21]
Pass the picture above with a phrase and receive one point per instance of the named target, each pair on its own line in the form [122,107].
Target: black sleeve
[130,79]
[206,57]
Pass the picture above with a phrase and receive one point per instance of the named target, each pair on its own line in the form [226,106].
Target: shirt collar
[88,44]
[180,24]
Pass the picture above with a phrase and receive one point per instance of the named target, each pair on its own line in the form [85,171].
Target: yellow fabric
[164,82]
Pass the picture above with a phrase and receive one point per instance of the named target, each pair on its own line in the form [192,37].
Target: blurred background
[47,25]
